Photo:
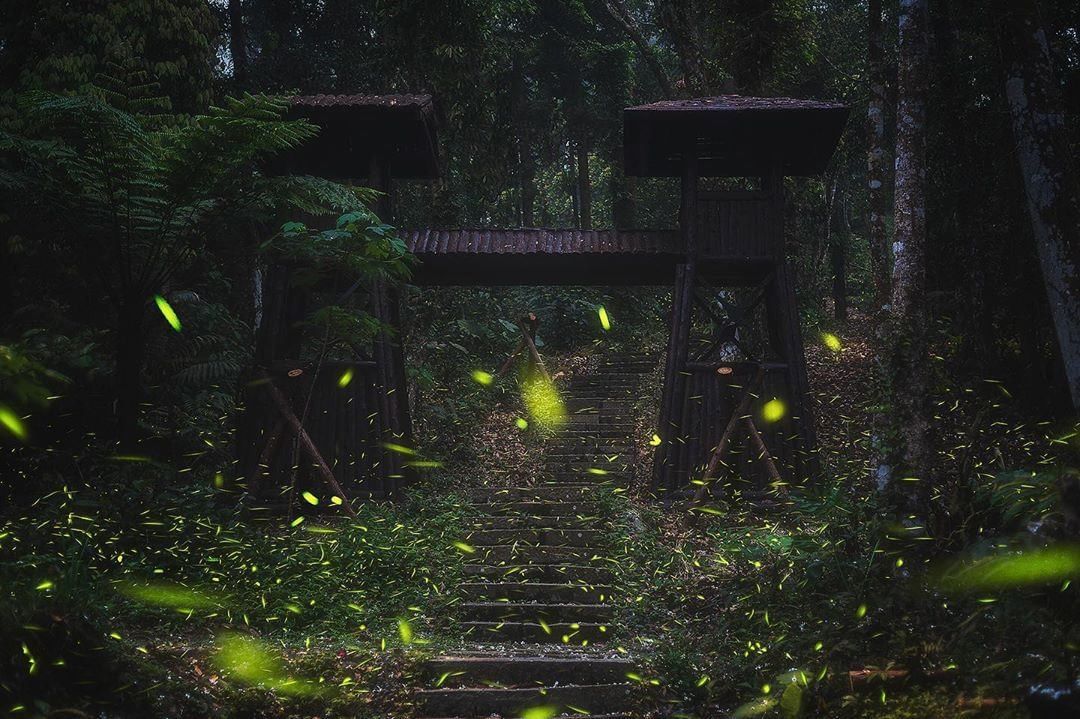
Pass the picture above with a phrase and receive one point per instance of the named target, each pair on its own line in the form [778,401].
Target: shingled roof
[398,130]
[531,241]
[732,135]
[543,256]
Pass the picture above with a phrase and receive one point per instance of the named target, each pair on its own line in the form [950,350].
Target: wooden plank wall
[343,422]
[738,224]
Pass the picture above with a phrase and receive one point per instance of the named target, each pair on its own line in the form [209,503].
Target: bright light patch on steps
[543,402]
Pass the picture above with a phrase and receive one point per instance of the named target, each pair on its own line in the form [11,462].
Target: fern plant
[131,202]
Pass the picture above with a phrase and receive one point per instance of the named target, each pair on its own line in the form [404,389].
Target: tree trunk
[622,15]
[584,184]
[623,208]
[1050,181]
[130,357]
[677,17]
[523,138]
[838,244]
[875,161]
[910,354]
[238,43]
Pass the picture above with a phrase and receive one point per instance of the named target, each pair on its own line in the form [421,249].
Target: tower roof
[732,135]
[355,129]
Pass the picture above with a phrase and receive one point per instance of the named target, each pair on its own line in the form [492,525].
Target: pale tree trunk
[877,233]
[584,184]
[910,376]
[1050,180]
[875,160]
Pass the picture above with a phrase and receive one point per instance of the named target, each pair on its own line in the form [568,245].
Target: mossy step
[544,573]
[537,537]
[516,671]
[531,612]
[538,592]
[544,509]
[484,702]
[538,493]
[530,554]
[571,634]
[554,522]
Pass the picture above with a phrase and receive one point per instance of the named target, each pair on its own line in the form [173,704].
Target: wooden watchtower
[731,238]
[371,140]
[729,242]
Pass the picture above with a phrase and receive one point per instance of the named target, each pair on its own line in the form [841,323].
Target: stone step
[542,493]
[485,702]
[572,634]
[529,612]
[603,432]
[585,450]
[528,554]
[537,537]
[539,522]
[612,478]
[528,671]
[544,573]
[589,464]
[537,592]
[541,509]
[585,457]
[560,715]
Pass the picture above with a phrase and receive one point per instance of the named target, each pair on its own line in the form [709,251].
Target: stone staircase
[537,615]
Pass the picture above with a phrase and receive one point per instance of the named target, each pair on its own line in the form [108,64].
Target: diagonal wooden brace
[290,418]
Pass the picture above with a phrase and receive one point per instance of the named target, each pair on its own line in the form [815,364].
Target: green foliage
[59,47]
[90,576]
[135,206]
[361,251]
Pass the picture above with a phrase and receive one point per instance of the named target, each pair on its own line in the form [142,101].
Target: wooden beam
[673,398]
[717,456]
[786,339]
[308,446]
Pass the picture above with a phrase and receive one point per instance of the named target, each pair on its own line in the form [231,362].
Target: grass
[166,604]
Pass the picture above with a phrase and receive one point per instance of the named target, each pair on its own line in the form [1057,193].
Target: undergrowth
[114,601]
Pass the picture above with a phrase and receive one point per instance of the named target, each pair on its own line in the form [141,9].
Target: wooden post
[786,339]
[389,353]
[666,459]
[721,447]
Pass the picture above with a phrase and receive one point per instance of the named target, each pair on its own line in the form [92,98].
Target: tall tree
[1050,179]
[679,19]
[910,355]
[634,31]
[875,158]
